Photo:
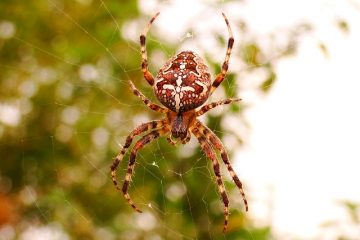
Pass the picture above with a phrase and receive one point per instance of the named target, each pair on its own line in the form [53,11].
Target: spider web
[96,134]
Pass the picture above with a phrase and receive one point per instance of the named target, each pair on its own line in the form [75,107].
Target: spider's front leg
[210,153]
[216,142]
[137,131]
[138,145]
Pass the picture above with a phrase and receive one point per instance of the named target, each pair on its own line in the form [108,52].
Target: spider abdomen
[183,83]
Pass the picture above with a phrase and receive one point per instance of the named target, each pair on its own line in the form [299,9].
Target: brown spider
[182,85]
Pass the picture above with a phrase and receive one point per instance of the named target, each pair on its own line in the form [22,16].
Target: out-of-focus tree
[344,229]
[65,108]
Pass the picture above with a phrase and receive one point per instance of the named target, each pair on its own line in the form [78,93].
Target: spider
[182,85]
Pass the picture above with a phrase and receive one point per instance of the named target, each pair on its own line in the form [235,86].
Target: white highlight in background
[306,133]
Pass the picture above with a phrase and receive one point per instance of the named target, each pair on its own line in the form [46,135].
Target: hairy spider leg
[138,145]
[210,153]
[147,101]
[212,105]
[144,61]
[221,76]
[137,131]
[215,142]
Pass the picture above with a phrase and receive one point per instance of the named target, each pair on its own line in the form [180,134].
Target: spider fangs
[182,85]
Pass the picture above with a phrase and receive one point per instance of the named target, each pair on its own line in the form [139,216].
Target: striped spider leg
[218,145]
[221,76]
[158,128]
[144,60]
[210,153]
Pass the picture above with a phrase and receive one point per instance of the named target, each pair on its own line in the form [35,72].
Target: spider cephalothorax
[182,85]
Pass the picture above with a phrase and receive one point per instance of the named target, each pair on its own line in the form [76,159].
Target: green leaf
[269,81]
[251,54]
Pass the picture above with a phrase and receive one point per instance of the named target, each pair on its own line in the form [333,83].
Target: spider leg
[209,151]
[210,106]
[138,145]
[216,142]
[140,129]
[147,101]
[221,76]
[144,63]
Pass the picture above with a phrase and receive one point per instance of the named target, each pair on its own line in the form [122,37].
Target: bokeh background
[66,109]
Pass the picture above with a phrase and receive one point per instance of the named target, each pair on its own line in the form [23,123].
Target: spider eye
[183,83]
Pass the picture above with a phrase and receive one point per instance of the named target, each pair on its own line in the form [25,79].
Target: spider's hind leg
[221,76]
[144,61]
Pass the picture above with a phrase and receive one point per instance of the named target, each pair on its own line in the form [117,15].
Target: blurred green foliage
[64,87]
[348,228]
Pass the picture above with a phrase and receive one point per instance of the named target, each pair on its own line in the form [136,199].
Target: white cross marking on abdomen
[178,91]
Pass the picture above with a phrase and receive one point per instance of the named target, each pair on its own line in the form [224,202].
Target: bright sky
[302,156]
[305,133]
[305,137]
